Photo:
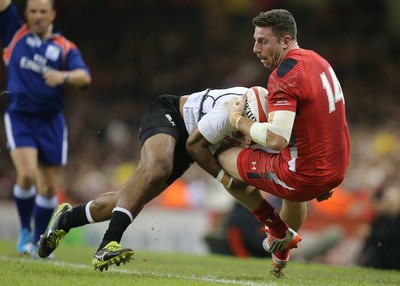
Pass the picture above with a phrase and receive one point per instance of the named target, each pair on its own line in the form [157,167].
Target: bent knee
[156,173]
[26,180]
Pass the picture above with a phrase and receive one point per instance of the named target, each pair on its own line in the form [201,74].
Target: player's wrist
[225,179]
[66,76]
[235,118]
[229,184]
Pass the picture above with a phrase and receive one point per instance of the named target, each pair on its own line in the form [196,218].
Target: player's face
[39,16]
[267,47]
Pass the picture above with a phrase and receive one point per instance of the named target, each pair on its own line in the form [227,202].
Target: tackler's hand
[237,110]
[239,106]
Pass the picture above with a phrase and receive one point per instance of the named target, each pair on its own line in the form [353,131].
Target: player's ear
[53,15]
[286,41]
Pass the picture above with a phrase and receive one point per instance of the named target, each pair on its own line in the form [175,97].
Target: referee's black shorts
[163,117]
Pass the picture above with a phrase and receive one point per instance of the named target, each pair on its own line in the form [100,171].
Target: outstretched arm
[198,148]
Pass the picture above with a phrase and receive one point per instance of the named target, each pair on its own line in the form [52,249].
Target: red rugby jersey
[319,147]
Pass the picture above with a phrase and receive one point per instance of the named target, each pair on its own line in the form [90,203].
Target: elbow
[87,80]
[85,83]
[190,148]
[277,143]
[194,150]
[82,79]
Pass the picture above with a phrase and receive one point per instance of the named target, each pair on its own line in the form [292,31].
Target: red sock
[266,214]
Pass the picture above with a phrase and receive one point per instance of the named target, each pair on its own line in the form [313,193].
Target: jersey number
[334,95]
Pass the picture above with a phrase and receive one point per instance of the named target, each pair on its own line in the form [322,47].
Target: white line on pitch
[208,278]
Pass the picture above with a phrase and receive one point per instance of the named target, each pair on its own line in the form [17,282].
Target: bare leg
[144,184]
[102,206]
[25,162]
[293,213]
[24,192]
[227,157]
[147,181]
[47,180]
[34,190]
[250,197]
[46,200]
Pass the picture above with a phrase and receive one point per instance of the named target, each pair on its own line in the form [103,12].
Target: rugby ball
[256,107]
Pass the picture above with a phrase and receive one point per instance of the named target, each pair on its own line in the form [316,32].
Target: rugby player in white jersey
[164,133]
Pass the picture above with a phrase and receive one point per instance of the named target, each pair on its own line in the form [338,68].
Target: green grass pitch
[72,267]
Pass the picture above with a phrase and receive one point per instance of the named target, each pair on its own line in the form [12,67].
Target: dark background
[139,49]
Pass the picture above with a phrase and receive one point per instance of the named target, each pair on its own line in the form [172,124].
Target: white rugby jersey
[208,110]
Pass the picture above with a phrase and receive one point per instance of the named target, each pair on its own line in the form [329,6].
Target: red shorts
[270,172]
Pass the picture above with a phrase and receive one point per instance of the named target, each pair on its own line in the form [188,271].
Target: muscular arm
[197,147]
[4,4]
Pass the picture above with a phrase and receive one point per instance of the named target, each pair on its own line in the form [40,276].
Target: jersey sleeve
[282,96]
[75,61]
[10,22]
[213,125]
[72,58]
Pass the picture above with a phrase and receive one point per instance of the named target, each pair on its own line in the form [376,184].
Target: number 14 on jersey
[334,94]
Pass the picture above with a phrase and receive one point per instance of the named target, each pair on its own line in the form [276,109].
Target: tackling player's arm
[198,148]
[274,134]
[4,4]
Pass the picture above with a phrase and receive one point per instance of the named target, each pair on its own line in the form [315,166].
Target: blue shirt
[27,57]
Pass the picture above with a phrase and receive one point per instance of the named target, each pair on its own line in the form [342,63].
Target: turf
[72,267]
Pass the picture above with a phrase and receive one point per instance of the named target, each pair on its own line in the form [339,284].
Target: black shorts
[163,117]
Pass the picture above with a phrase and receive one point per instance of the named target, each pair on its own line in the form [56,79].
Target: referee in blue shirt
[39,64]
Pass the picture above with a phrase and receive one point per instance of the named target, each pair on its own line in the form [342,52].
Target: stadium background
[140,49]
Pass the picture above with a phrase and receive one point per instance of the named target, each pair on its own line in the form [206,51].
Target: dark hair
[52,2]
[280,20]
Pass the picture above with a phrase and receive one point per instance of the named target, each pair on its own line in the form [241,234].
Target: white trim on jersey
[10,137]
[64,155]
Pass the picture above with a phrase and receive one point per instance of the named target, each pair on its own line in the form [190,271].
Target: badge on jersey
[52,53]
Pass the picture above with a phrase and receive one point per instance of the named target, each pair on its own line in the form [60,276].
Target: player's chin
[264,62]
[267,64]
[39,29]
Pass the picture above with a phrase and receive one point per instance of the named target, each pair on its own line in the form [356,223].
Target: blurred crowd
[140,49]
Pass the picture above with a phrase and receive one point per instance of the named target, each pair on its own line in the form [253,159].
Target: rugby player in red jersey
[306,126]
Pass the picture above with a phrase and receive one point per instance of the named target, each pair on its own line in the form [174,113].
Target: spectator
[381,249]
